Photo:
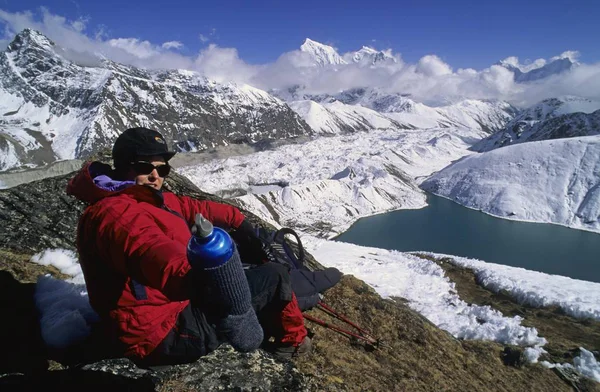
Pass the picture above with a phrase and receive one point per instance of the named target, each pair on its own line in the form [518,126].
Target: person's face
[147,171]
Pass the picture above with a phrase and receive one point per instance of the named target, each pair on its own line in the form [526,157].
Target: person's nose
[153,174]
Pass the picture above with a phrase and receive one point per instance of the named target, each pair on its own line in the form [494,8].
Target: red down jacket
[132,250]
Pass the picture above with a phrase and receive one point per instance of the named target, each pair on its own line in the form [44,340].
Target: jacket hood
[82,185]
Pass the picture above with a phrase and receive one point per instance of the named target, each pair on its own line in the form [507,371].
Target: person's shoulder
[114,206]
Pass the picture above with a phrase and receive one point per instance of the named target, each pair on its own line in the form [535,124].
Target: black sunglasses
[143,167]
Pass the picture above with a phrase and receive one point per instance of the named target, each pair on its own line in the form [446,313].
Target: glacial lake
[449,228]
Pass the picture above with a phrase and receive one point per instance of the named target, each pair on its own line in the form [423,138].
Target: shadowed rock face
[39,215]
[415,355]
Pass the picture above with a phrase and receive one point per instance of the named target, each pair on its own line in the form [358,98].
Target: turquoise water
[447,227]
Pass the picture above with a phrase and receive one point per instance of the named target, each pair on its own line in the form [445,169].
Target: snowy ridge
[400,112]
[556,181]
[550,119]
[65,312]
[337,117]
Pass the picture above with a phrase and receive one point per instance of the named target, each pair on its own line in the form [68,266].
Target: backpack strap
[279,237]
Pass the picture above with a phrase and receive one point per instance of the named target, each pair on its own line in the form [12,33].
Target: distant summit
[537,71]
[369,56]
[322,54]
[325,55]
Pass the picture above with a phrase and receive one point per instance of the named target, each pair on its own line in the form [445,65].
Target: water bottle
[209,247]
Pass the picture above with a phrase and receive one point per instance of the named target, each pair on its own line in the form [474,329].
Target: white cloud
[572,55]
[430,80]
[140,49]
[79,24]
[223,65]
[583,81]
[71,36]
[432,65]
[172,45]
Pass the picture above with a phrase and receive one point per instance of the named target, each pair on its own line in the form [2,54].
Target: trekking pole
[335,314]
[370,340]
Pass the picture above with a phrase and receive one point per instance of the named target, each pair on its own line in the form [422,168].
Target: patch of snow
[428,290]
[585,364]
[63,259]
[577,298]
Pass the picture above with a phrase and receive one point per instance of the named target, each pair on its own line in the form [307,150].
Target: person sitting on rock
[132,242]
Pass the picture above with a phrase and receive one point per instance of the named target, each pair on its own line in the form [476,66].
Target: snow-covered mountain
[321,54]
[336,117]
[325,55]
[369,56]
[556,181]
[369,108]
[54,109]
[550,119]
[554,67]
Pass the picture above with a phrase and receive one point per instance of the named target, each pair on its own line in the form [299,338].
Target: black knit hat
[139,142]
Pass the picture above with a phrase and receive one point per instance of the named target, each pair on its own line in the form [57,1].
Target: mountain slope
[554,181]
[550,119]
[54,109]
[336,117]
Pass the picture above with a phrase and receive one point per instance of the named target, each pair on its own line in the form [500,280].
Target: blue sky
[462,33]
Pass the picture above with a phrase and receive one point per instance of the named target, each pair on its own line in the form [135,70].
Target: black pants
[194,334]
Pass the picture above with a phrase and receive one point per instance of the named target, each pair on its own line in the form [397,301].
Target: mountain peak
[30,38]
[322,54]
[372,56]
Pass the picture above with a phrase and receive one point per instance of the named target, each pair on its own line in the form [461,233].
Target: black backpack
[307,284]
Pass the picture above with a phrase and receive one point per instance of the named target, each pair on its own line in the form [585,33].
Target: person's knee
[279,271]
[272,274]
[269,282]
